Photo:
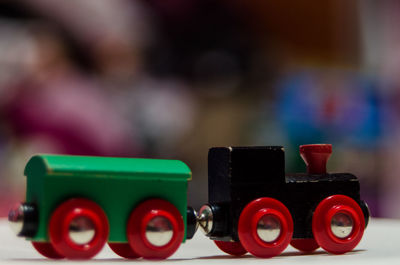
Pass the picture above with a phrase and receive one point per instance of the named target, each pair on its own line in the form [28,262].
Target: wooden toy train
[75,204]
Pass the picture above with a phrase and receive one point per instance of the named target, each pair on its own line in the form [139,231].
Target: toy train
[76,204]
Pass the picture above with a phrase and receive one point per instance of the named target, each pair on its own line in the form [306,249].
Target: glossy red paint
[231,248]
[138,221]
[247,228]
[321,224]
[61,220]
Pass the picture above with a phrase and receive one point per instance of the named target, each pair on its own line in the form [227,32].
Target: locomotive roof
[106,166]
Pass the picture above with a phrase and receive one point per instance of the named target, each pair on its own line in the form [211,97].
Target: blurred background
[172,78]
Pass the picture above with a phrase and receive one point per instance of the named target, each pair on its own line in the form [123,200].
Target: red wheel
[338,224]
[78,229]
[231,248]
[47,250]
[155,229]
[124,250]
[305,245]
[265,227]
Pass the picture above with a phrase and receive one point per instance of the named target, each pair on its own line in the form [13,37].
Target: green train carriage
[75,204]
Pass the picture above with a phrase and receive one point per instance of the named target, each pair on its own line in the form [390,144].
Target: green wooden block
[117,185]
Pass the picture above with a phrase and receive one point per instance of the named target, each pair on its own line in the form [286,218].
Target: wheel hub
[81,230]
[268,228]
[159,231]
[341,225]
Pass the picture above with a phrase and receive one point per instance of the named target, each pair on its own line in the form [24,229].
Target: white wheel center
[81,230]
[268,228]
[341,225]
[159,231]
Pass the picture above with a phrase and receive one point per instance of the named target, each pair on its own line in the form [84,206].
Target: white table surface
[380,245]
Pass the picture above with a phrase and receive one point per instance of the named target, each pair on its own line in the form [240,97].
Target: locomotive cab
[233,172]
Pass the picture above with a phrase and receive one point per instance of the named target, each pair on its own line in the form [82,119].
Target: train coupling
[23,219]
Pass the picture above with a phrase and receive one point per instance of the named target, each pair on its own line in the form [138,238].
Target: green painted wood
[116,184]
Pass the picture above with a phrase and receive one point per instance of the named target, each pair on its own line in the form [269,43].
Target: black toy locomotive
[254,207]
